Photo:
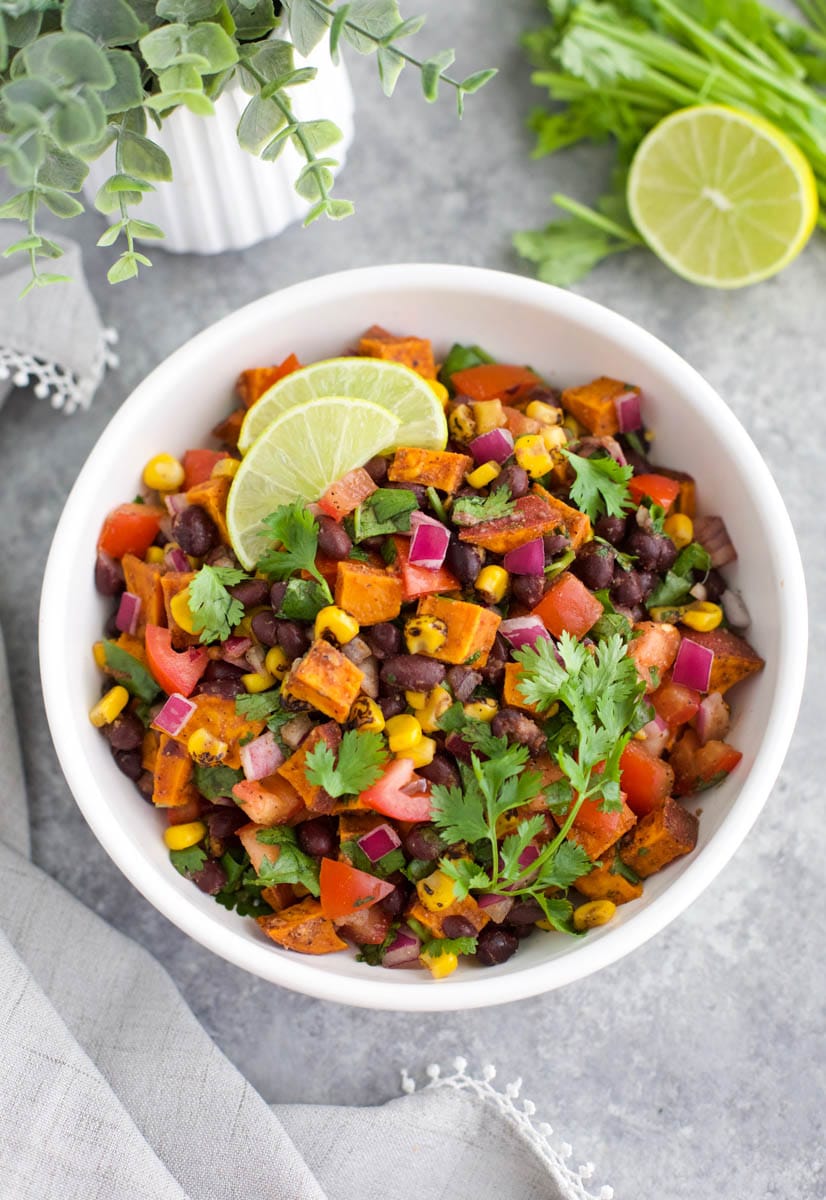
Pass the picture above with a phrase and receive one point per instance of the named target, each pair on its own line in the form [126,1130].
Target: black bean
[412,672]
[384,639]
[594,565]
[457,927]
[110,629]
[515,479]
[645,547]
[216,668]
[224,820]
[464,561]
[292,638]
[277,593]
[392,706]
[194,530]
[555,544]
[547,395]
[265,627]
[715,586]
[129,761]
[333,539]
[639,463]
[252,592]
[528,589]
[109,579]
[146,785]
[525,912]
[418,490]
[494,668]
[516,727]
[495,945]
[668,555]
[125,732]
[373,543]
[648,581]
[463,682]
[376,468]
[226,689]
[626,590]
[423,842]
[612,529]
[441,770]
[211,877]
[394,902]
[318,837]
[221,556]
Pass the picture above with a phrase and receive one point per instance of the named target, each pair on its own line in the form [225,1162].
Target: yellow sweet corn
[702,616]
[436,891]
[225,468]
[436,703]
[680,529]
[154,555]
[109,706]
[99,654]
[461,424]
[532,455]
[488,415]
[440,965]
[421,754]
[163,473]
[276,662]
[367,715]
[179,607]
[439,390]
[554,437]
[334,622]
[483,475]
[258,681]
[424,635]
[492,583]
[403,733]
[205,749]
[545,414]
[181,837]
[481,710]
[416,700]
[595,912]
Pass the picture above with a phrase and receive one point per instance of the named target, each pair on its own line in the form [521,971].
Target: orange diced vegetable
[654,650]
[175,671]
[659,488]
[144,579]
[686,501]
[325,679]
[228,431]
[420,581]
[594,404]
[346,494]
[490,381]
[221,721]
[257,851]
[646,780]
[270,801]
[173,785]
[368,593]
[280,895]
[734,658]
[130,529]
[212,495]
[134,646]
[531,518]
[252,384]
[511,694]
[665,834]
[198,465]
[345,889]
[568,606]
[432,468]
[149,749]
[293,770]
[413,352]
[607,883]
[302,927]
[577,524]
[434,921]
[471,629]
[596,830]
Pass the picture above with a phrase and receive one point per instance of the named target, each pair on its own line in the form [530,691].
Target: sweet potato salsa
[465,696]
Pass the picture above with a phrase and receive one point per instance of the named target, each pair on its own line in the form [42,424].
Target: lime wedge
[722,197]
[297,457]
[388,384]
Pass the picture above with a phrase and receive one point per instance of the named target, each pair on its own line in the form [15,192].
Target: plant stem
[596,218]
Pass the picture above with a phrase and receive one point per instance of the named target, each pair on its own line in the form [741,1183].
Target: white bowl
[569,340]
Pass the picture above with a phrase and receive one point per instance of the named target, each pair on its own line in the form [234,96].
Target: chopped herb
[139,500]
[384,512]
[259,706]
[626,561]
[473,510]
[436,504]
[295,531]
[292,864]
[127,670]
[358,764]
[303,600]
[601,485]
[461,358]
[388,551]
[618,867]
[382,867]
[676,586]
[216,782]
[636,443]
[358,555]
[560,564]
[418,868]
[435,947]
[657,514]
[188,862]
[214,611]
[242,891]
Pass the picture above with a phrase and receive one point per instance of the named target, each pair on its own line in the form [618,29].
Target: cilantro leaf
[567,249]
[466,875]
[382,867]
[601,485]
[214,611]
[618,867]
[303,600]
[257,706]
[438,946]
[385,511]
[358,764]
[473,510]
[516,844]
[676,586]
[558,914]
[127,670]
[295,530]
[569,863]
[215,782]
[242,891]
[374,955]
[292,864]
[188,861]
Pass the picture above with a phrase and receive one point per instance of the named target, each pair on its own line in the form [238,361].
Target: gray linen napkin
[111,1090]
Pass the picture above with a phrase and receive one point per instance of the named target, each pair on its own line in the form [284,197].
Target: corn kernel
[276,662]
[225,468]
[205,749]
[109,706]
[424,635]
[436,891]
[244,626]
[257,681]
[680,529]
[336,623]
[554,437]
[440,965]
[436,703]
[154,555]
[422,753]
[481,710]
[367,715]
[483,475]
[509,822]
[492,583]
[179,607]
[545,414]
[181,837]
[163,473]
[595,912]
[416,700]
[532,455]
[461,424]
[703,616]
[403,733]
[439,390]
[573,426]
[99,654]
[488,415]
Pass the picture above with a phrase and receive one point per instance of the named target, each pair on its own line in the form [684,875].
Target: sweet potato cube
[220,719]
[353,824]
[510,689]
[654,650]
[228,431]
[325,679]
[665,834]
[410,351]
[149,749]
[603,833]
[532,518]
[734,658]
[302,927]
[369,594]
[212,496]
[280,895]
[132,645]
[269,801]
[144,579]
[172,583]
[594,404]
[568,606]
[293,770]
[605,883]
[258,851]
[253,383]
[431,468]
[686,501]
[471,629]
[576,524]
[434,921]
[173,774]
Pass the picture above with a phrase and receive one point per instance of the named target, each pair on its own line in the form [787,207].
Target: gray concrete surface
[695,1068]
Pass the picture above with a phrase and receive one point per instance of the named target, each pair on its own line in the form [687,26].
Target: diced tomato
[420,581]
[518,424]
[569,606]
[675,703]
[698,767]
[491,380]
[345,890]
[659,488]
[175,671]
[346,494]
[591,819]
[129,529]
[646,780]
[367,927]
[387,797]
[198,465]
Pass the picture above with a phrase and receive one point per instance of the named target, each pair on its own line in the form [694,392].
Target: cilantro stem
[595,218]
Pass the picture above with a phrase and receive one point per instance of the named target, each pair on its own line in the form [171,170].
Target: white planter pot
[222,198]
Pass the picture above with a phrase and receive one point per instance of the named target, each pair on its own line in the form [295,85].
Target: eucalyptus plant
[77,76]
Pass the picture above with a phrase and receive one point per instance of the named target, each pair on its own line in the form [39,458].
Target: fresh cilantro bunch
[215,612]
[600,486]
[472,510]
[358,764]
[295,532]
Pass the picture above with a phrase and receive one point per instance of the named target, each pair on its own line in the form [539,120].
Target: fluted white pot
[221,197]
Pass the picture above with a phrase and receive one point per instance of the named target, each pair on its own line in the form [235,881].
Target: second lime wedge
[297,457]
[389,385]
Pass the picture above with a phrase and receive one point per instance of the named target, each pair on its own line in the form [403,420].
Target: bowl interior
[568,340]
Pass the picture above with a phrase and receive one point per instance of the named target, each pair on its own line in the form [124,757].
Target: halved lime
[724,198]
[390,385]
[297,457]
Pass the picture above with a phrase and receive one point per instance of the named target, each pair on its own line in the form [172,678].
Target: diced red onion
[315,510]
[429,543]
[128,612]
[370,677]
[176,560]
[528,559]
[262,756]
[294,732]
[692,666]
[495,446]
[629,413]
[174,714]
[588,446]
[404,951]
[165,524]
[175,503]
[736,612]
[712,718]
[496,907]
[356,650]
[256,657]
[379,841]
[712,534]
[529,854]
[523,631]
[655,736]
[234,650]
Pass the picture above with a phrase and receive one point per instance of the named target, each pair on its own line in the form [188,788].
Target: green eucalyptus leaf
[318,135]
[188,11]
[17,207]
[68,58]
[164,47]
[127,90]
[23,162]
[107,201]
[134,121]
[73,124]
[111,235]
[22,30]
[432,73]
[125,268]
[214,45]
[185,78]
[49,249]
[274,148]
[336,29]
[405,29]
[63,171]
[196,102]
[315,178]
[113,23]
[32,242]
[126,183]
[254,19]
[273,61]
[476,81]
[390,66]
[61,203]
[369,23]
[307,26]
[337,210]
[27,99]
[145,229]
[142,157]
[260,121]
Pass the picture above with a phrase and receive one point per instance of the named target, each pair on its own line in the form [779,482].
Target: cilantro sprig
[292,864]
[601,485]
[357,765]
[295,532]
[214,611]
[472,510]
[435,947]
[676,586]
